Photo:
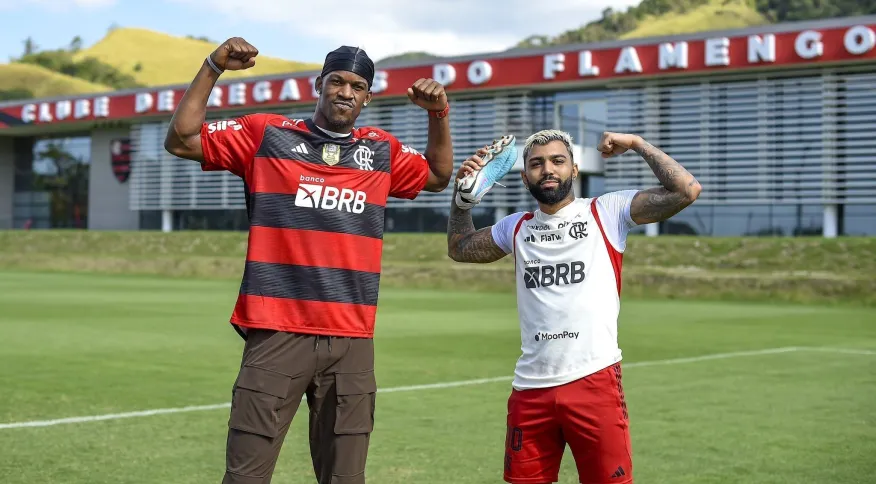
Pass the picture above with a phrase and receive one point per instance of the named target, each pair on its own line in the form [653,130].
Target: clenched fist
[428,94]
[234,54]
[613,144]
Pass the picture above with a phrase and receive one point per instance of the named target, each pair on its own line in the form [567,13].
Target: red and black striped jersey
[316,207]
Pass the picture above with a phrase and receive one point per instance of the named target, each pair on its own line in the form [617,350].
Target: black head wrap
[351,59]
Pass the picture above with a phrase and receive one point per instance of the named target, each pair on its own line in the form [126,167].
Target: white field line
[845,351]
[431,386]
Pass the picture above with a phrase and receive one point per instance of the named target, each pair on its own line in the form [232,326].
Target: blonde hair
[546,136]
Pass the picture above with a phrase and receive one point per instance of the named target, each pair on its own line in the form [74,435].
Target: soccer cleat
[499,160]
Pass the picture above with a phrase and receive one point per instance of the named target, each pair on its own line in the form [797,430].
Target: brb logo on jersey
[553,275]
[328,197]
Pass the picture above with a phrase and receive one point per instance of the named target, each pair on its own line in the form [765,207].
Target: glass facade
[747,220]
[51,182]
[859,220]
[777,153]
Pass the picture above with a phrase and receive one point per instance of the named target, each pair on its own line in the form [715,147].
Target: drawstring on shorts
[316,343]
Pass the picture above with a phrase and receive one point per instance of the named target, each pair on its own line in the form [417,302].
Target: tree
[76,44]
[15,94]
[30,46]
[90,68]
[202,38]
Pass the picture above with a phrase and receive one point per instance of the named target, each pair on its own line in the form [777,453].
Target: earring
[364,104]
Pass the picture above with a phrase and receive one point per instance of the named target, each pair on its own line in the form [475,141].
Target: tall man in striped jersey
[568,253]
[316,192]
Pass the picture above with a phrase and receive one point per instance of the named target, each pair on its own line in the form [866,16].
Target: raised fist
[428,94]
[234,54]
[613,144]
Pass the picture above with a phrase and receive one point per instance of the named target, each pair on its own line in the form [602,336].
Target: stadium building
[777,123]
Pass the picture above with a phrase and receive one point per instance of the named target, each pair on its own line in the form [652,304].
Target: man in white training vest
[568,257]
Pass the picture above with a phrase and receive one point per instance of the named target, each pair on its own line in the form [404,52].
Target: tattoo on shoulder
[657,204]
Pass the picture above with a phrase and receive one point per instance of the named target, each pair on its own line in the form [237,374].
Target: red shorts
[590,414]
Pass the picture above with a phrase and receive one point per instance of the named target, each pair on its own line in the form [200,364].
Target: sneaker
[499,159]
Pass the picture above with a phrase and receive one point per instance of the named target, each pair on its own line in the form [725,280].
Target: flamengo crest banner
[120,159]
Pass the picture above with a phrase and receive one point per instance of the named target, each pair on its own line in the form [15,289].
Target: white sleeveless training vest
[568,295]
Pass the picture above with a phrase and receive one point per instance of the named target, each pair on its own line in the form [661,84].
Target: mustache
[549,179]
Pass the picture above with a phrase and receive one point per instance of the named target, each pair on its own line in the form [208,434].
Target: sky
[296,30]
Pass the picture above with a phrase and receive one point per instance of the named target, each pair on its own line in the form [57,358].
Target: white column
[499,214]
[652,230]
[167,220]
[830,222]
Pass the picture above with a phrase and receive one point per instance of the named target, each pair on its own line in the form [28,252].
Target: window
[51,182]
[859,220]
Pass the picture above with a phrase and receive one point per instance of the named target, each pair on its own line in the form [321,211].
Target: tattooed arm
[464,243]
[679,188]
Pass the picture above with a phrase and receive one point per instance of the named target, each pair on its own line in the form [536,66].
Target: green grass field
[93,344]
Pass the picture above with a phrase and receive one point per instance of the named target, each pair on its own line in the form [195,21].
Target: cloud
[448,27]
[56,5]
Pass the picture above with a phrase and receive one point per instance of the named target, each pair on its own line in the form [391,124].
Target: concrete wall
[107,197]
[7,181]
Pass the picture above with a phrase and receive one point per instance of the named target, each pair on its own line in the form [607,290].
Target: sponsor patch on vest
[542,336]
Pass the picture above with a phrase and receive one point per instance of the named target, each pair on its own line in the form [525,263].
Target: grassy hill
[667,17]
[717,15]
[42,82]
[407,56]
[156,59]
[659,17]
[804,269]
[151,58]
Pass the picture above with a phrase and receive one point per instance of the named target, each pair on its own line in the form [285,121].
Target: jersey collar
[564,212]
[317,131]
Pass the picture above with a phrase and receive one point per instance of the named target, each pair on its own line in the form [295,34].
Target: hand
[613,144]
[471,165]
[428,94]
[234,54]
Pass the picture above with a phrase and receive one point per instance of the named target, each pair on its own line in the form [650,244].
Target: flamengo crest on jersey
[567,297]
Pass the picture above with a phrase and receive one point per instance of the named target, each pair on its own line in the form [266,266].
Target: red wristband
[441,114]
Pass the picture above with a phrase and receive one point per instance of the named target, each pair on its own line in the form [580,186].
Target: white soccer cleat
[499,159]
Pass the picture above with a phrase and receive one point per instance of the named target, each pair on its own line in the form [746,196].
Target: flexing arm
[439,154]
[430,95]
[464,243]
[679,188]
[184,133]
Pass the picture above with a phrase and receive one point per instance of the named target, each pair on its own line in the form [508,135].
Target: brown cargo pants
[336,374]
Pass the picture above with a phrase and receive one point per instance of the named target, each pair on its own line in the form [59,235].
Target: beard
[551,196]
[337,119]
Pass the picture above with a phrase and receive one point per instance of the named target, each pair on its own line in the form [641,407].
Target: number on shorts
[515,439]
